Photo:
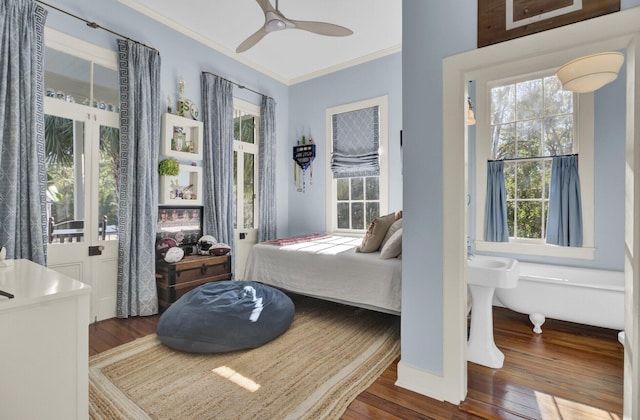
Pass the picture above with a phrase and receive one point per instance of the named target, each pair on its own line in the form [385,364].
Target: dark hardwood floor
[570,371]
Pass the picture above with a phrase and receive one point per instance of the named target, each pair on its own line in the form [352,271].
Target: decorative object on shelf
[169,104]
[181,137]
[186,107]
[303,156]
[185,188]
[169,167]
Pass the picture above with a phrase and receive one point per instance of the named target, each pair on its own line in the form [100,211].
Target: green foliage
[169,167]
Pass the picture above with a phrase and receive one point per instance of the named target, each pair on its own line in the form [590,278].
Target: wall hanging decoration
[303,156]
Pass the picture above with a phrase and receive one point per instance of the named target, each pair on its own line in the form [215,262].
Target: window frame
[382,102]
[583,145]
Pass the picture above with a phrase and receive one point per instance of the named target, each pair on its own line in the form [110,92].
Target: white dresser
[44,344]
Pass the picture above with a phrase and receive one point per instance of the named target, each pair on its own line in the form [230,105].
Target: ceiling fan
[274,20]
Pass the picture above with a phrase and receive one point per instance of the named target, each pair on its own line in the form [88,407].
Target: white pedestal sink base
[481,348]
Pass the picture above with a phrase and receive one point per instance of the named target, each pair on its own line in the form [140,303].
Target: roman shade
[356,139]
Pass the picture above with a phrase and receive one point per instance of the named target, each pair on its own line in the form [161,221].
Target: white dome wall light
[590,73]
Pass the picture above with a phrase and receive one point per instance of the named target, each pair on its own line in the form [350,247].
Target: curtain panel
[564,221]
[496,228]
[217,101]
[138,184]
[267,171]
[23,173]
[356,139]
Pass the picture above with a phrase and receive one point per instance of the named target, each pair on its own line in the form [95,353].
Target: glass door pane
[109,167]
[249,191]
[64,147]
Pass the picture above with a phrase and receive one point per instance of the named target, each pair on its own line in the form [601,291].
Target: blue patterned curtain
[138,200]
[356,139]
[217,101]
[267,170]
[564,222]
[23,173]
[496,229]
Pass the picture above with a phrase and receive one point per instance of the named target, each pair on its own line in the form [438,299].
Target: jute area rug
[314,370]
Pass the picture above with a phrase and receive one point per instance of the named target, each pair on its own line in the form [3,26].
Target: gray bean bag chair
[225,316]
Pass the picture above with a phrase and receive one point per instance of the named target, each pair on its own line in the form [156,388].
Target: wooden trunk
[174,280]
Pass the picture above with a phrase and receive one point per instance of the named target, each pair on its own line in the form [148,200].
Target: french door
[245,182]
[82,149]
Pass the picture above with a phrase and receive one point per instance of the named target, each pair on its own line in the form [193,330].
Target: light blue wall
[432,30]
[181,56]
[309,101]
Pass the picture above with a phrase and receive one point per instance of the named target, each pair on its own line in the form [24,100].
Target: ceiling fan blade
[322,28]
[266,6]
[252,40]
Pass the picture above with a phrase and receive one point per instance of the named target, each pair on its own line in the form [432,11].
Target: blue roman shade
[356,139]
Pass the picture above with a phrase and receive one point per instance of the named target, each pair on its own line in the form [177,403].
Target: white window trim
[81,49]
[585,136]
[331,184]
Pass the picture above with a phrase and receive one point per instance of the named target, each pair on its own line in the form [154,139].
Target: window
[527,120]
[530,122]
[246,118]
[357,196]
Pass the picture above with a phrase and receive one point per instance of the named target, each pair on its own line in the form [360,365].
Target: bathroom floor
[568,371]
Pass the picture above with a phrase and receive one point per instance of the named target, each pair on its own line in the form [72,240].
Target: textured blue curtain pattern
[356,139]
[23,173]
[217,101]
[496,228]
[267,171]
[564,221]
[138,201]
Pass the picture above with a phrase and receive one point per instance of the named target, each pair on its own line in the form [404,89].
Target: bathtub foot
[537,320]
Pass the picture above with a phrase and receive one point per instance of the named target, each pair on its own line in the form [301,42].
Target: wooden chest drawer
[174,280]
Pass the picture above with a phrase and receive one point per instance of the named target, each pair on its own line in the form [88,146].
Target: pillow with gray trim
[375,234]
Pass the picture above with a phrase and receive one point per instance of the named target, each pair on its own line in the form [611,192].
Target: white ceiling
[292,55]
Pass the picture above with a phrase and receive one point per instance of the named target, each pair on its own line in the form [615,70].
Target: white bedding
[329,268]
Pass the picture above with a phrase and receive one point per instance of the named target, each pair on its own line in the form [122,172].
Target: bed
[328,267]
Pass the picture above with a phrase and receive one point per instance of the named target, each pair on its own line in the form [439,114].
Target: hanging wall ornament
[303,155]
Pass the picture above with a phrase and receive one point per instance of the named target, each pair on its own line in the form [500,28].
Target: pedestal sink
[484,274]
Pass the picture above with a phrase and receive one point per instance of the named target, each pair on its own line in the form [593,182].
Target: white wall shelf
[184,189]
[181,137]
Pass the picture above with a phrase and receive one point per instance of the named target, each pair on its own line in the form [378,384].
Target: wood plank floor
[570,371]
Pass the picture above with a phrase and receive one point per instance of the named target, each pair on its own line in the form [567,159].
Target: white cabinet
[44,344]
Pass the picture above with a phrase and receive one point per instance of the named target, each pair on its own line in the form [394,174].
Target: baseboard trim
[427,383]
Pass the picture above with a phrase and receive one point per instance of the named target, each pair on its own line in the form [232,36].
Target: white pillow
[393,247]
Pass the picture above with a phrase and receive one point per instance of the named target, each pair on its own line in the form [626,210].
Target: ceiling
[290,56]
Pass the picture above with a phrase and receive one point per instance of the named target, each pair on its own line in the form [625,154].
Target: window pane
[530,219]
[64,148]
[109,167]
[547,177]
[510,179]
[556,100]
[248,129]
[503,141]
[530,179]
[510,217]
[67,77]
[558,135]
[357,216]
[343,188]
[372,188]
[529,99]
[503,104]
[529,138]
[343,216]
[106,88]
[249,196]
[373,211]
[235,189]
[357,188]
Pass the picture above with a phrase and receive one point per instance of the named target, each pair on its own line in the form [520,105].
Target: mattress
[329,268]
